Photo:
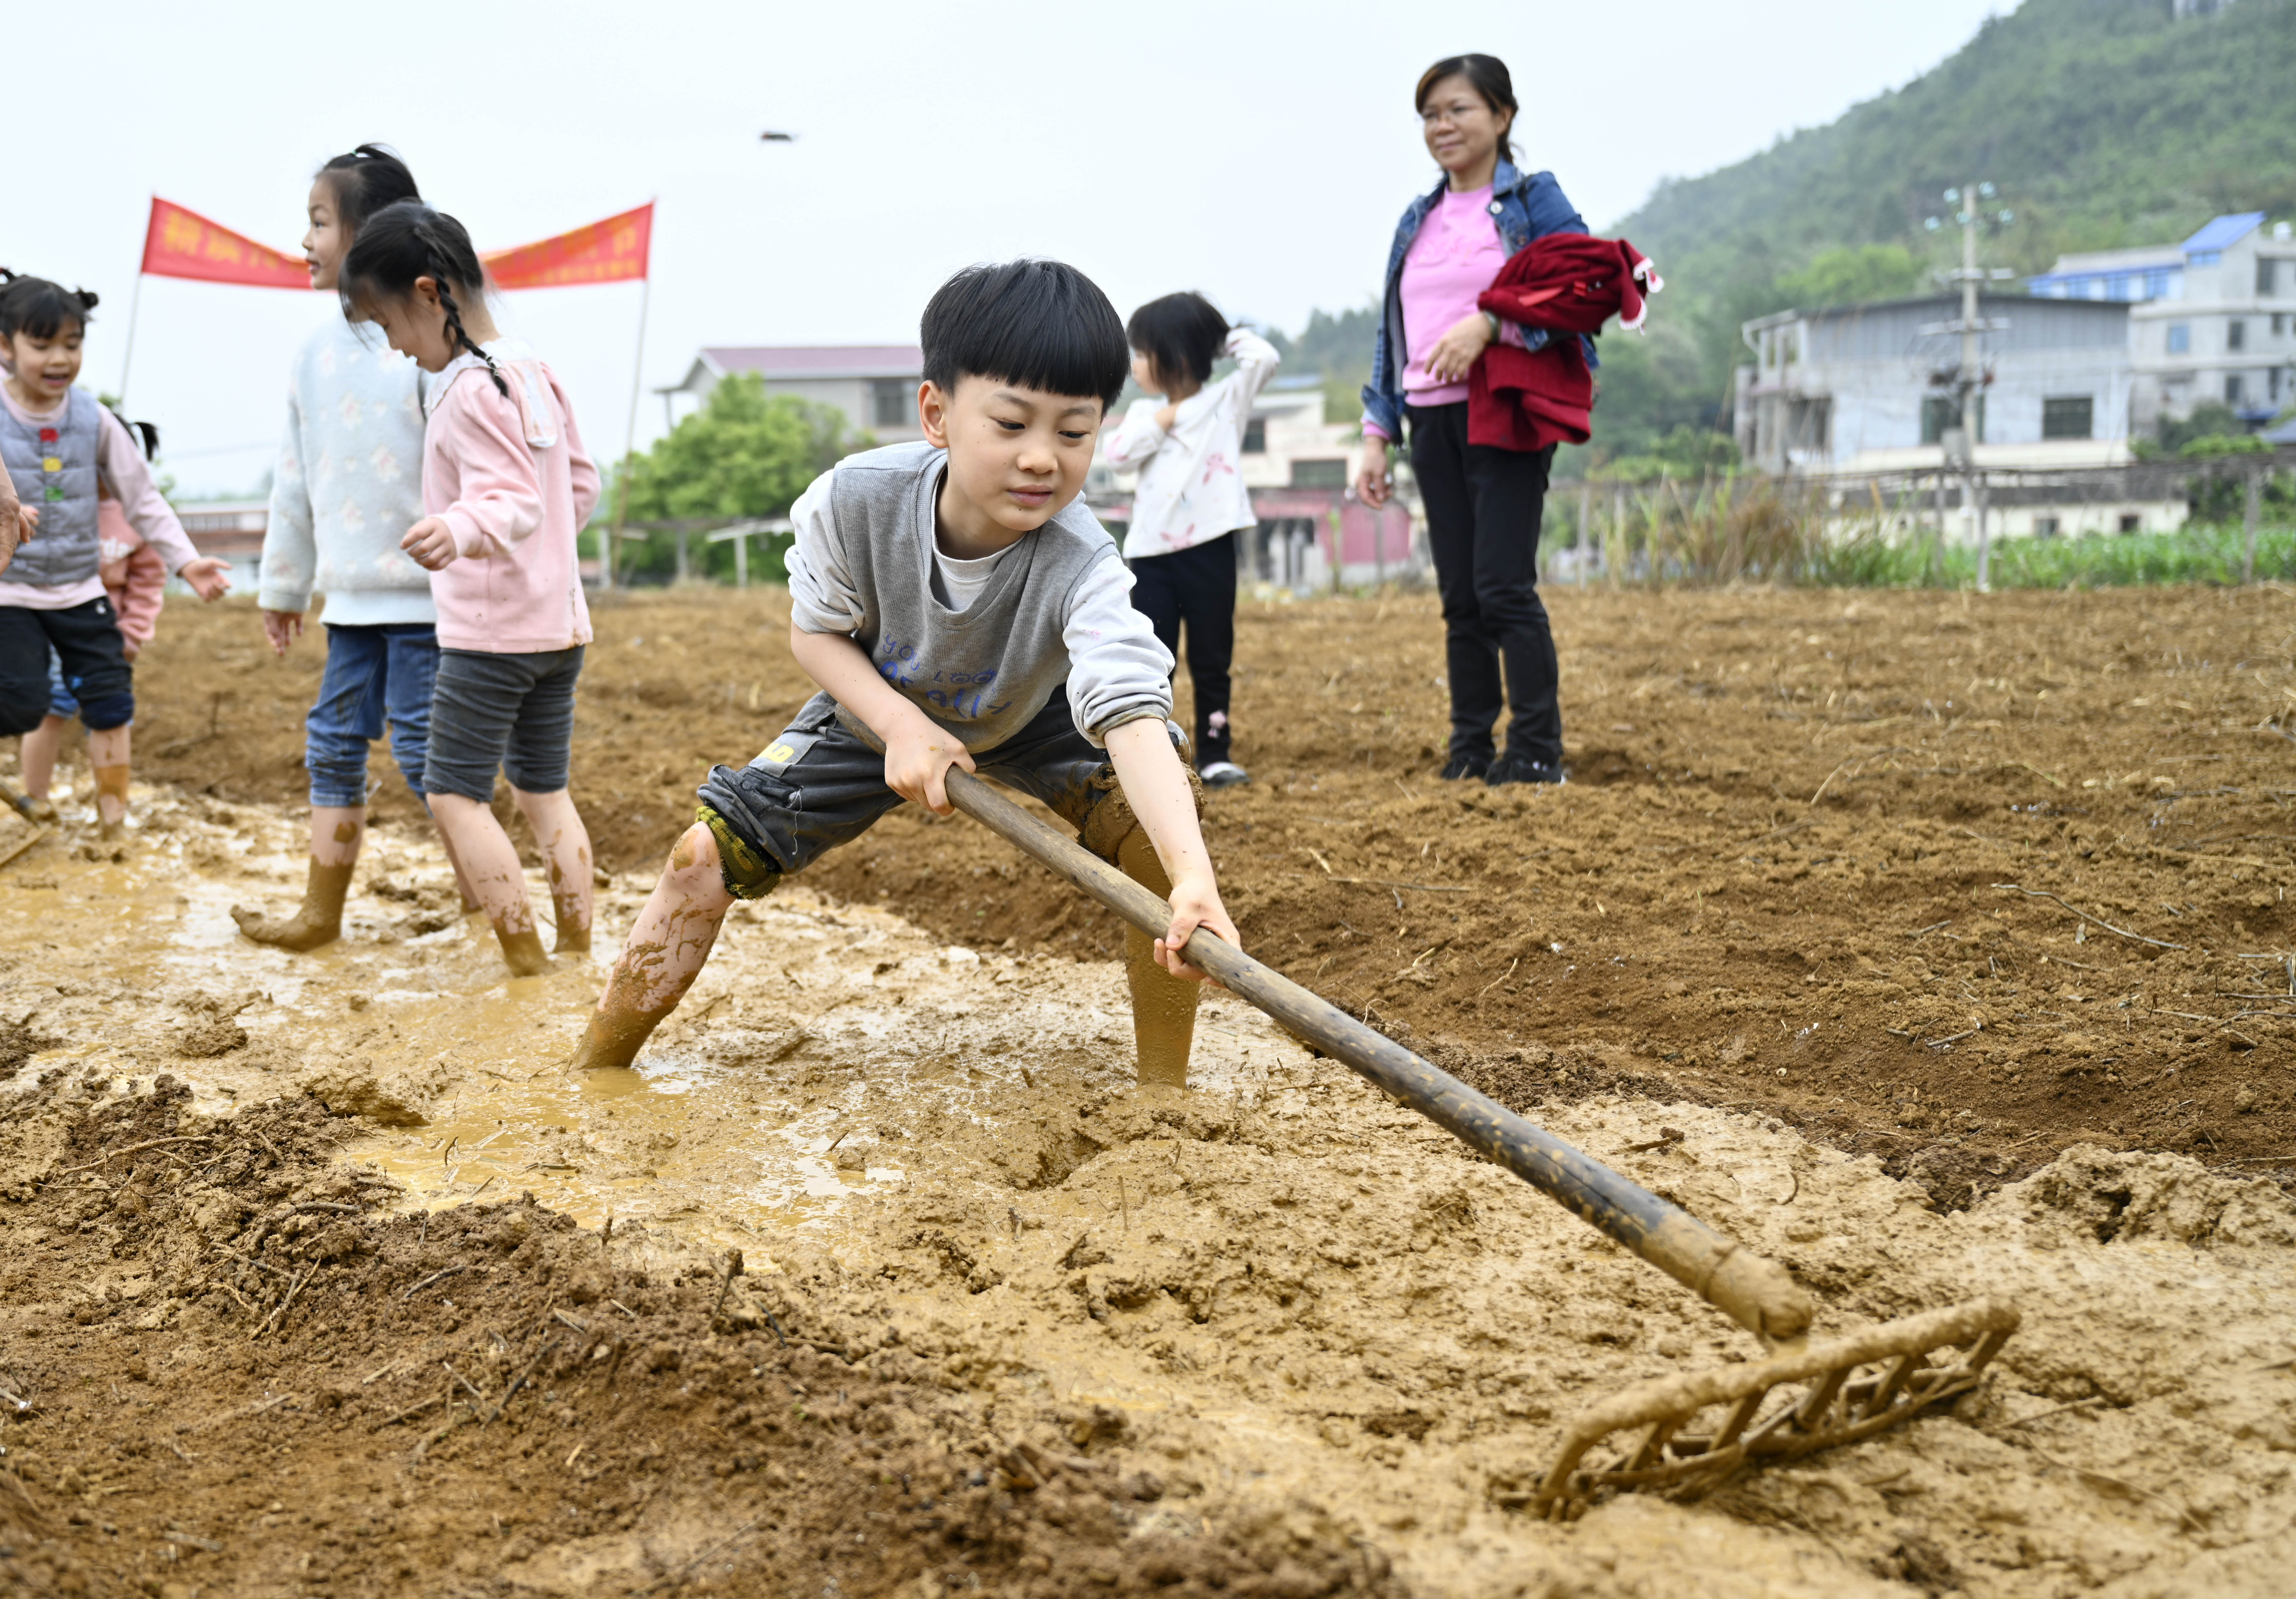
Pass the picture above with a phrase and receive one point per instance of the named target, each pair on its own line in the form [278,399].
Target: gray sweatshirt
[1056,609]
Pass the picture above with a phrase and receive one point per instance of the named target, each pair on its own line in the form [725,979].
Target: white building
[875,385]
[1864,388]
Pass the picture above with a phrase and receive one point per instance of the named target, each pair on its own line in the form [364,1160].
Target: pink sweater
[509,476]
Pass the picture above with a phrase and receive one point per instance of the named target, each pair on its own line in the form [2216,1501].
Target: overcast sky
[1258,151]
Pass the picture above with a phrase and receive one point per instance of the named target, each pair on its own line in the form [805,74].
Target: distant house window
[2130,521]
[892,403]
[2095,287]
[1940,412]
[1255,436]
[2121,287]
[2156,284]
[2204,257]
[2070,416]
[2236,335]
[1319,474]
[2044,527]
[2231,388]
[2279,323]
[2180,338]
[2266,271]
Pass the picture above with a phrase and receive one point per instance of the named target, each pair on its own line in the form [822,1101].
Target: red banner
[611,252]
[181,244]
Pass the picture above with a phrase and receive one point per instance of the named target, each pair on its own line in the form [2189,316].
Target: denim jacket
[1526,206]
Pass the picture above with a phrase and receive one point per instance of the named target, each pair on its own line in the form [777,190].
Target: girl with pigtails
[506,487]
[349,483]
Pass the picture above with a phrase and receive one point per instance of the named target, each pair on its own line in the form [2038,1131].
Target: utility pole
[1969,376]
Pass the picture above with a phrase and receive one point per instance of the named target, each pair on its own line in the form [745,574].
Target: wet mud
[324,1273]
[1772,878]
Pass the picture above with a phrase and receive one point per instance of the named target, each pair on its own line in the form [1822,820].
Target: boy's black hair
[366,179]
[34,306]
[1182,333]
[410,240]
[1039,324]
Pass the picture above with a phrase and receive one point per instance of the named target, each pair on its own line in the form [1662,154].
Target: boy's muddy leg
[1163,1006]
[667,948]
[491,860]
[107,751]
[336,834]
[565,845]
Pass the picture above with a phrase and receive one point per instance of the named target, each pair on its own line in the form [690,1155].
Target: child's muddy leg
[337,832]
[668,946]
[1163,1006]
[107,751]
[40,748]
[491,861]
[462,878]
[565,845]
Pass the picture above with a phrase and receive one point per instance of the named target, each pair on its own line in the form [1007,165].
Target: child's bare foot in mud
[522,951]
[613,1038]
[318,922]
[570,941]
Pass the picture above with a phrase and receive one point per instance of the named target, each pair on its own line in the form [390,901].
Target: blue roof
[2224,231]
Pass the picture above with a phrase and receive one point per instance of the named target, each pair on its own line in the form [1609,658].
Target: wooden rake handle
[1755,1292]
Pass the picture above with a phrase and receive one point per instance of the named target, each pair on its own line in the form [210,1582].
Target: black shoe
[1459,767]
[1511,768]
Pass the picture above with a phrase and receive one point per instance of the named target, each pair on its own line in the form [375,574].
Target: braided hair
[34,306]
[409,240]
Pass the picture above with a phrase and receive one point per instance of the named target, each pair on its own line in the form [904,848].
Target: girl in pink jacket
[506,487]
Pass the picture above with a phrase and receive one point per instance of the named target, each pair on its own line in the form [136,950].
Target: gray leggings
[514,712]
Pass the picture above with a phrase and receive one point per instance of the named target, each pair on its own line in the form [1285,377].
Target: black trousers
[1484,506]
[1196,586]
[86,638]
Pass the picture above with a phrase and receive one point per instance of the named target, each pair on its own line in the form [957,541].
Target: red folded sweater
[1568,283]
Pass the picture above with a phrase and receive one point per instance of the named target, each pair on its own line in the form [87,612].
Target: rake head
[1684,1436]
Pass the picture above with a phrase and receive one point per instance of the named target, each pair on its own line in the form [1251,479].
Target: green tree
[1853,274]
[744,454]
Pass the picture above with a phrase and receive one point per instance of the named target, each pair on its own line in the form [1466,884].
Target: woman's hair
[1490,77]
[365,180]
[409,240]
[1181,334]
[1039,324]
[34,306]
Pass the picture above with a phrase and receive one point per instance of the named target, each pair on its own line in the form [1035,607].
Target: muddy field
[1772,878]
[308,1285]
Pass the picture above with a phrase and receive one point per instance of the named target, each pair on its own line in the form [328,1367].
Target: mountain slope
[2104,122]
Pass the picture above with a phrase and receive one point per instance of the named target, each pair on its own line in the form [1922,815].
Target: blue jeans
[374,674]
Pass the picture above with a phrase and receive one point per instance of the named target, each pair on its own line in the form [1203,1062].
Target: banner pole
[629,437]
[128,355]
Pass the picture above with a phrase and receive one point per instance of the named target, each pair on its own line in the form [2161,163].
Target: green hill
[2104,122]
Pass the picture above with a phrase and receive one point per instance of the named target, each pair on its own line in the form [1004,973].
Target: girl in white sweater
[348,485]
[1188,448]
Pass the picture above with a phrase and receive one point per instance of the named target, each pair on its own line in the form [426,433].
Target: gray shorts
[818,785]
[511,713]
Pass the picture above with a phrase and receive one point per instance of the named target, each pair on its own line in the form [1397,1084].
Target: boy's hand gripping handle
[1755,1292]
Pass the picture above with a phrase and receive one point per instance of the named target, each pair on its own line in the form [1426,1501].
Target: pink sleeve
[584,470]
[140,596]
[148,514]
[498,492]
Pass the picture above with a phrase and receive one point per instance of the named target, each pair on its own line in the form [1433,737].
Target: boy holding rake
[959,605]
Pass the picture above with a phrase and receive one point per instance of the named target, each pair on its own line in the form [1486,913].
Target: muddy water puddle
[1292,1299]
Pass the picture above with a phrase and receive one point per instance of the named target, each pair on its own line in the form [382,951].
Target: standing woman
[349,484]
[1483,504]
